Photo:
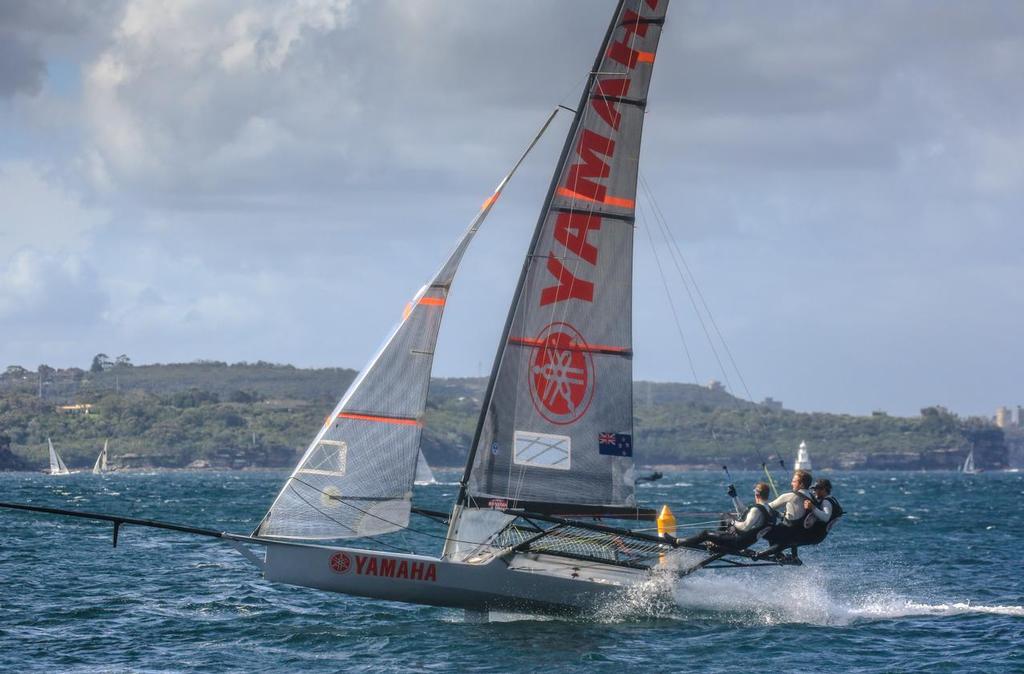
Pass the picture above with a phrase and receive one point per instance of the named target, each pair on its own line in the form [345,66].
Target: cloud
[29,30]
[38,213]
[43,291]
[21,67]
[203,97]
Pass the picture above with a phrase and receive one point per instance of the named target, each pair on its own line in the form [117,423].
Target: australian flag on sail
[615,444]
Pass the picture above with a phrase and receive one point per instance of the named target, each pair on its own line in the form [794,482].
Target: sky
[245,181]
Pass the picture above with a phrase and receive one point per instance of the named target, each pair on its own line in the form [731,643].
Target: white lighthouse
[803,459]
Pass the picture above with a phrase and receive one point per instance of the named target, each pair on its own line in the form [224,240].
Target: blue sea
[925,573]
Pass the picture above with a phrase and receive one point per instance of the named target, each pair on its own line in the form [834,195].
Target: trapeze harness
[768,519]
[815,530]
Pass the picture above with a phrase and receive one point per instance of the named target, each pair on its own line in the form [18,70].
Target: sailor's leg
[770,551]
[697,539]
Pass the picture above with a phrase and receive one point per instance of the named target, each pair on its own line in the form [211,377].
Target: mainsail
[556,429]
[57,466]
[101,461]
[424,475]
[356,477]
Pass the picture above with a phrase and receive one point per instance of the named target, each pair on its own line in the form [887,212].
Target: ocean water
[924,573]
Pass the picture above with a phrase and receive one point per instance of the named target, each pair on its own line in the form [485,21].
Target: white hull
[522,582]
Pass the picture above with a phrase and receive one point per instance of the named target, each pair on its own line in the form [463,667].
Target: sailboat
[551,461]
[424,475]
[968,467]
[57,465]
[101,461]
[803,459]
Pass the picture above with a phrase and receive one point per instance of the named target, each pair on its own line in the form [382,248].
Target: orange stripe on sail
[611,201]
[645,57]
[572,346]
[616,201]
[489,201]
[432,301]
[404,421]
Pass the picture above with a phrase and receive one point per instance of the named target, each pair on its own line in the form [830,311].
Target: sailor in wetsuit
[741,533]
[821,516]
[793,509]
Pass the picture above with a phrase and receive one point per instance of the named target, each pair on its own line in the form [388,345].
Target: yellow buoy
[666,525]
[666,522]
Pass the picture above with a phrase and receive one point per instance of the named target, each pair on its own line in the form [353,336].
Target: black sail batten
[621,217]
[461,499]
[641,102]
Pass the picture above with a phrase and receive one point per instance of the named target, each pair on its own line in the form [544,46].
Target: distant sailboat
[57,465]
[101,461]
[803,459]
[968,467]
[424,475]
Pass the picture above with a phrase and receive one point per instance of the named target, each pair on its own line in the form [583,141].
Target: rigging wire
[675,316]
[689,281]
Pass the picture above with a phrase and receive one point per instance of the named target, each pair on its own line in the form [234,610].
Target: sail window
[334,457]
[542,450]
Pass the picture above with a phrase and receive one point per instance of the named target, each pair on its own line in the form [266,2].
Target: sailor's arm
[824,513]
[751,521]
[782,501]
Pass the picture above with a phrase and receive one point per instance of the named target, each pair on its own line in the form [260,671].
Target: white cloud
[56,291]
[192,95]
[38,213]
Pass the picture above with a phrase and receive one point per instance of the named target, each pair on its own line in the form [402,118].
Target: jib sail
[356,477]
[557,424]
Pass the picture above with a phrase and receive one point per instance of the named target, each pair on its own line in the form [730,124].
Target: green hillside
[262,414]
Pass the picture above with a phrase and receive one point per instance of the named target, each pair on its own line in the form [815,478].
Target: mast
[538,229]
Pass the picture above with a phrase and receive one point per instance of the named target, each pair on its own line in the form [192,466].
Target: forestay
[356,477]
[557,425]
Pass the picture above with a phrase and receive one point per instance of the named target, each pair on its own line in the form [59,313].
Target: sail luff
[367,448]
[461,499]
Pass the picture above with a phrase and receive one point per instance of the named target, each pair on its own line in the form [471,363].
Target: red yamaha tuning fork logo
[561,374]
[340,562]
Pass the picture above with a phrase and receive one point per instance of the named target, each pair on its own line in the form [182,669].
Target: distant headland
[243,415]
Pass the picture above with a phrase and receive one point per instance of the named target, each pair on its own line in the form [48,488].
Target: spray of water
[771,597]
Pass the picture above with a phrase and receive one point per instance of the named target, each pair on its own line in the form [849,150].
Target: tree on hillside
[46,372]
[123,361]
[100,362]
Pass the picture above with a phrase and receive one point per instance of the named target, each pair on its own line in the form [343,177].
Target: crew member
[794,510]
[821,517]
[743,533]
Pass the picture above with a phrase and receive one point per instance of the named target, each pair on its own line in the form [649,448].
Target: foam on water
[772,597]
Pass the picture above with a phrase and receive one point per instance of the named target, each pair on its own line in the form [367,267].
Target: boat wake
[769,598]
